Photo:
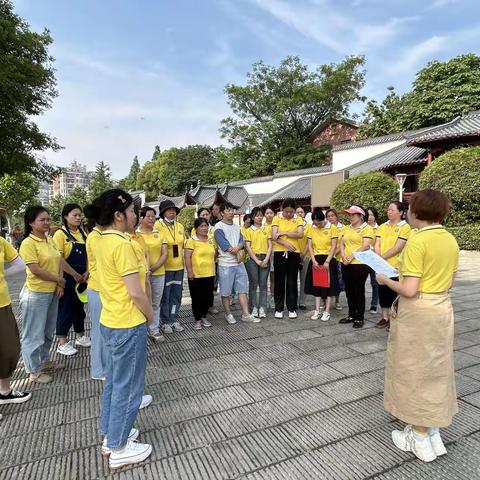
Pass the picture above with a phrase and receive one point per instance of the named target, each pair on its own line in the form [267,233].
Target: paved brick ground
[282,399]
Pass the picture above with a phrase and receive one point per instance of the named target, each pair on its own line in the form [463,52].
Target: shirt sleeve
[248,235]
[404,232]
[379,232]
[222,242]
[334,231]
[59,240]
[28,252]
[413,260]
[276,221]
[189,245]
[368,232]
[125,259]
[10,253]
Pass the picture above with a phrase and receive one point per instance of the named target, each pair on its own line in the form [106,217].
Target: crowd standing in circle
[130,266]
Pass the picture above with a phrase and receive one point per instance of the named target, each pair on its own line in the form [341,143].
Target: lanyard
[174,234]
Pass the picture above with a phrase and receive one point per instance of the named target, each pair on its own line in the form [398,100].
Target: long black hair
[67,208]
[31,214]
[102,209]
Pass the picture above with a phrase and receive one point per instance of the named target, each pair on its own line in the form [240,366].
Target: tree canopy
[276,112]
[440,92]
[130,181]
[17,192]
[27,89]
[101,180]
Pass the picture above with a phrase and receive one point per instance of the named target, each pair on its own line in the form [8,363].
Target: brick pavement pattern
[281,399]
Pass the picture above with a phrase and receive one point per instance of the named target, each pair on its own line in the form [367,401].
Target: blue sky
[134,74]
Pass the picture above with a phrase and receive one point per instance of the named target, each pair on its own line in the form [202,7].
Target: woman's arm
[187,253]
[395,250]
[13,267]
[407,287]
[331,253]
[276,238]
[162,259]
[269,253]
[138,296]
[378,246]
[312,255]
[251,253]
[366,242]
[297,234]
[44,275]
[71,271]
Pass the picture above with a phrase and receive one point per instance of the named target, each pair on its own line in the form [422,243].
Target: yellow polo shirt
[211,230]
[44,252]
[92,240]
[389,234]
[175,235]
[353,239]
[432,255]
[117,258]
[203,256]
[322,238]
[141,249]
[258,238]
[154,242]
[7,254]
[302,242]
[64,244]
[290,226]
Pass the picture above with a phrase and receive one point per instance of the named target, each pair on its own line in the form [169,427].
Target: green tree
[77,195]
[440,92]
[373,189]
[130,181]
[277,110]
[27,89]
[187,217]
[101,180]
[455,173]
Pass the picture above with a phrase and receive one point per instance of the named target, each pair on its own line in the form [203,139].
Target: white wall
[271,186]
[346,158]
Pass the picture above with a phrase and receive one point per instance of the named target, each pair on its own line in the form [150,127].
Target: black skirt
[323,292]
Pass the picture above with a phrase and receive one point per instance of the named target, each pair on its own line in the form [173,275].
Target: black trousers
[355,277]
[201,292]
[285,265]
[386,296]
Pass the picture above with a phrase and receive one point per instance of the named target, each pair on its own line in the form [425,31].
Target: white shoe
[83,341]
[255,311]
[250,319]
[407,442]
[292,315]
[338,307]
[177,327]
[315,316]
[130,454]
[262,313]
[157,337]
[437,444]
[230,319]
[67,349]
[133,435]
[278,314]
[146,401]
[167,328]
[99,378]
[325,317]
[206,323]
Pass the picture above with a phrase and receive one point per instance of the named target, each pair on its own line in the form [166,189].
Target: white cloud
[441,3]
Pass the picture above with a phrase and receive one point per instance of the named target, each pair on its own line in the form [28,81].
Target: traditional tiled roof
[467,125]
[401,155]
[300,188]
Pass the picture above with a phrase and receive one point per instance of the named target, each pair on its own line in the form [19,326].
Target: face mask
[169,221]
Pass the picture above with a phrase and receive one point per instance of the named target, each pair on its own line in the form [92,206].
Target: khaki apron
[420,374]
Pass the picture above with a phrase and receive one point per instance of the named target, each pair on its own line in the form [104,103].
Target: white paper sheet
[376,262]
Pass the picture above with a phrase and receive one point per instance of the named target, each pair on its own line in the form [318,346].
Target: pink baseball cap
[353,209]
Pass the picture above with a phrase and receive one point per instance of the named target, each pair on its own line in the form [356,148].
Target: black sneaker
[358,324]
[346,320]
[373,309]
[15,397]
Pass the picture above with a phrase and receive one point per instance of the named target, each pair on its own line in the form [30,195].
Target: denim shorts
[232,279]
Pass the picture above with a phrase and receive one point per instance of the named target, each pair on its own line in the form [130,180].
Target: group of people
[130,267]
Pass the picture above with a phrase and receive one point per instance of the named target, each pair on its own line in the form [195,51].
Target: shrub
[187,217]
[468,236]
[455,173]
[373,189]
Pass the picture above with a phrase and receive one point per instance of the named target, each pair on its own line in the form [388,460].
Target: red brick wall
[335,134]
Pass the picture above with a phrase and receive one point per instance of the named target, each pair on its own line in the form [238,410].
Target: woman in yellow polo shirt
[156,244]
[125,311]
[200,252]
[332,219]
[420,374]
[356,237]
[39,296]
[322,245]
[286,231]
[259,249]
[391,238]
[269,214]
[304,258]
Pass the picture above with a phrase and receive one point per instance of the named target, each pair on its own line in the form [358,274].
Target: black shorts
[9,342]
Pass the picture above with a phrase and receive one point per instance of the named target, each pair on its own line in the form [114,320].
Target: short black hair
[374,211]
[145,210]
[198,221]
[225,206]
[318,215]
[31,214]
[289,203]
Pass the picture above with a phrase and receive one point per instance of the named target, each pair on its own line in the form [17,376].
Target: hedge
[187,217]
[468,236]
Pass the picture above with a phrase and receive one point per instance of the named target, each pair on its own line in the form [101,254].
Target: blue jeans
[232,279]
[125,380]
[98,353]
[39,319]
[157,282]
[257,278]
[374,284]
[172,297]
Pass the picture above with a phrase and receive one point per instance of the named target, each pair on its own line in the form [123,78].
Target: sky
[135,74]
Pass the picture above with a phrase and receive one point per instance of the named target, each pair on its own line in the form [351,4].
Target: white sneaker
[83,341]
[177,327]
[315,316]
[338,307]
[262,313]
[250,319]
[206,323]
[133,435]
[157,337]
[325,317]
[407,442]
[255,311]
[278,314]
[130,454]
[67,349]
[230,319]
[292,315]
[167,328]
[146,401]
[438,445]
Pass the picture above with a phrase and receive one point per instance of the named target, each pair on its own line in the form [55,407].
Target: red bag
[321,278]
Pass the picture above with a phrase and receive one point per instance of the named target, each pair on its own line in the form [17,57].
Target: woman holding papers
[322,244]
[391,239]
[356,237]
[419,375]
